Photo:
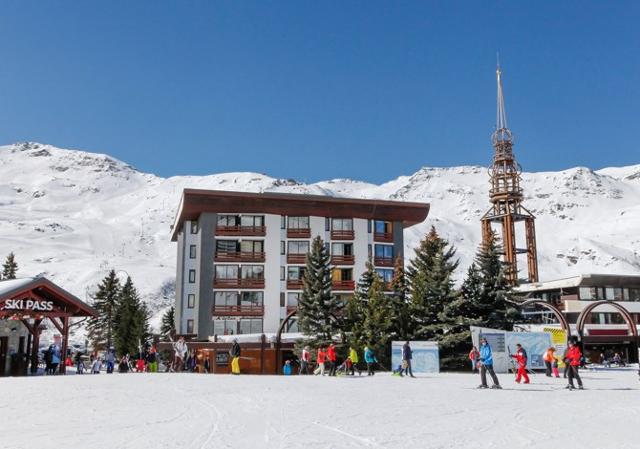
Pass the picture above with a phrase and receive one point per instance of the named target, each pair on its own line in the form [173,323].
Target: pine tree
[399,303]
[377,321]
[132,327]
[168,323]
[318,308]
[101,328]
[10,267]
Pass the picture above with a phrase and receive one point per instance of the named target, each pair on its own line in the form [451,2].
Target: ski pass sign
[30,305]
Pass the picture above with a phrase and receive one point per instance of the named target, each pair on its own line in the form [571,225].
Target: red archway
[556,312]
[580,322]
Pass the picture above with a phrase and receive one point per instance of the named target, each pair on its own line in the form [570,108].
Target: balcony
[250,231]
[295,284]
[296,258]
[235,310]
[298,233]
[342,260]
[291,309]
[238,283]
[343,285]
[383,261]
[384,237]
[342,235]
[239,256]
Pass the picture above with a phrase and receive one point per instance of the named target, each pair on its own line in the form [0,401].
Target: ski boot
[496,387]
[482,387]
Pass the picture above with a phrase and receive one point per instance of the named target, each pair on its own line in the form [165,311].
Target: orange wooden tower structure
[506,200]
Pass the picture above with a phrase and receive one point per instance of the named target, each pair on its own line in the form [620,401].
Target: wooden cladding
[238,283]
[343,285]
[384,237]
[342,235]
[383,261]
[298,233]
[235,310]
[295,284]
[250,231]
[342,260]
[239,256]
[296,258]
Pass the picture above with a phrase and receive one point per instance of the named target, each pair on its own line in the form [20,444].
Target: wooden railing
[295,284]
[244,310]
[386,237]
[238,283]
[296,258]
[239,256]
[383,261]
[342,235]
[241,230]
[342,260]
[343,285]
[298,233]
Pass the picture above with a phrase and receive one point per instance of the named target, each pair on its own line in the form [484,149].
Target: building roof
[197,201]
[43,287]
[584,280]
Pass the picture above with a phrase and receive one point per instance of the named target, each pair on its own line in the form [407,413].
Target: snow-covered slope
[73,215]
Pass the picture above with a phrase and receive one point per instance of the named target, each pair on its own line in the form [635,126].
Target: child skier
[521,360]
[573,357]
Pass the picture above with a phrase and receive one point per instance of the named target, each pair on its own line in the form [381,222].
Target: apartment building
[241,256]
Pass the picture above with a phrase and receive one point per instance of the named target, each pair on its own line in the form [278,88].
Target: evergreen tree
[10,267]
[101,328]
[132,321]
[168,323]
[399,303]
[377,321]
[318,308]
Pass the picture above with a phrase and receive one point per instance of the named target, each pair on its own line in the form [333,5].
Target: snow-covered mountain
[73,215]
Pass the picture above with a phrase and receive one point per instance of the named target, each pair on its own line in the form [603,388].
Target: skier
[305,359]
[548,358]
[123,366]
[554,368]
[486,365]
[322,355]
[55,358]
[180,351]
[234,352]
[79,363]
[333,359]
[353,355]
[474,357]
[521,360]
[152,360]
[95,366]
[407,355]
[573,357]
[370,359]
[111,360]
[287,369]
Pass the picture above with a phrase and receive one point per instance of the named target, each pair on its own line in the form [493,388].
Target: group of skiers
[327,361]
[482,361]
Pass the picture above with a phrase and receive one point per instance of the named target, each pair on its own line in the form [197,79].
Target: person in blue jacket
[486,365]
[370,359]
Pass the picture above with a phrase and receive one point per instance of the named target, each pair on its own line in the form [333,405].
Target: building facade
[241,256]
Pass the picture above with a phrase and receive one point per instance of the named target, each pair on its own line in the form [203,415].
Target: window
[293,299]
[593,293]
[298,247]
[189,326]
[252,220]
[225,298]
[192,251]
[369,251]
[295,273]
[298,223]
[282,299]
[383,227]
[251,298]
[282,273]
[634,294]
[226,272]
[369,226]
[385,251]
[192,276]
[250,326]
[225,327]
[252,272]
[342,274]
[327,224]
[226,246]
[342,224]
[228,220]
[282,247]
[342,249]
[610,293]
[252,246]
[191,301]
[283,221]
[385,274]
[194,227]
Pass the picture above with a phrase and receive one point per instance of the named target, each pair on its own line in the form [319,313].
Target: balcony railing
[385,237]
[291,309]
[295,284]
[298,233]
[241,230]
[342,260]
[383,261]
[238,283]
[343,285]
[236,310]
[296,258]
[342,235]
[239,256]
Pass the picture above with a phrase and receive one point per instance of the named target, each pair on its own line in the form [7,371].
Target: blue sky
[317,90]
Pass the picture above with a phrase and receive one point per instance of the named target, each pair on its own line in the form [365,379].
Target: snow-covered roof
[8,286]
[290,337]
[573,281]
[587,280]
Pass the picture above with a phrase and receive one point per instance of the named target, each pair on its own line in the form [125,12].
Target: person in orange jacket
[321,359]
[548,358]
[333,359]
[572,359]
[521,360]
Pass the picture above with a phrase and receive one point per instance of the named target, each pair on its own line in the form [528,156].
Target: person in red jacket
[321,358]
[521,360]
[572,359]
[333,359]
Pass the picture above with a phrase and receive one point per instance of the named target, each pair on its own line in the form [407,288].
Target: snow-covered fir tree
[168,323]
[101,328]
[132,321]
[10,267]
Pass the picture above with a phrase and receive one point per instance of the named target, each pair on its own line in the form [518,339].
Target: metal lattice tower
[506,199]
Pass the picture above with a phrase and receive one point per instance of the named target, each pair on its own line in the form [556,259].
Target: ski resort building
[241,256]
[603,310]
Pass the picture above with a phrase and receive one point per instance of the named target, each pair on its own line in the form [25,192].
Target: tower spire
[501,114]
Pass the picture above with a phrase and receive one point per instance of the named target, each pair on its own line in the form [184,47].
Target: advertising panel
[425,356]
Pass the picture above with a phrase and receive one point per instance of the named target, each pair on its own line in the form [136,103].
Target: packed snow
[176,411]
[73,215]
